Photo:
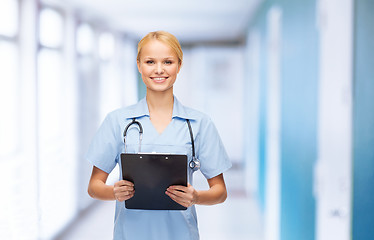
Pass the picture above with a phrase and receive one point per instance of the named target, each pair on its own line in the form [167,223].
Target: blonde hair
[164,37]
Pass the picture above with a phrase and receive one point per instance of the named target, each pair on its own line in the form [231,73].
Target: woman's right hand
[123,190]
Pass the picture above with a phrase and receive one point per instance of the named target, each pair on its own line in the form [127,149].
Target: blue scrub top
[107,145]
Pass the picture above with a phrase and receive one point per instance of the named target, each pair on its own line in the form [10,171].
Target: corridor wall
[363,122]
[326,135]
[256,97]
[298,83]
[299,67]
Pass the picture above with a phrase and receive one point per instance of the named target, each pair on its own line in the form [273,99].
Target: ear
[179,67]
[138,64]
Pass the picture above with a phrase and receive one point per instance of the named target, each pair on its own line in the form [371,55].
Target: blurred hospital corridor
[288,84]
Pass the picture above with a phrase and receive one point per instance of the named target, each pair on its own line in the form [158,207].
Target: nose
[159,68]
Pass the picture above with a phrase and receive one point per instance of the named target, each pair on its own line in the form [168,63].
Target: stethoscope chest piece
[194,164]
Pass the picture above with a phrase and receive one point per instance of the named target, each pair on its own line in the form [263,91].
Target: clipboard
[152,174]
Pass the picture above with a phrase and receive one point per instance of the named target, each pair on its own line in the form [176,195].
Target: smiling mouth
[159,79]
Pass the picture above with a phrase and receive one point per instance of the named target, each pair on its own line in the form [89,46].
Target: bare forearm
[100,191]
[215,195]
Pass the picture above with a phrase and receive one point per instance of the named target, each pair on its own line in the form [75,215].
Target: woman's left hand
[185,196]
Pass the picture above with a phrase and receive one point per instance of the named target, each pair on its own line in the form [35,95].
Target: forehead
[155,48]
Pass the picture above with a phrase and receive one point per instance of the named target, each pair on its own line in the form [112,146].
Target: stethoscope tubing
[140,133]
[194,164]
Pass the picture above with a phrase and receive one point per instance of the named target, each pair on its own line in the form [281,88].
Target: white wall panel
[273,125]
[333,169]
[251,112]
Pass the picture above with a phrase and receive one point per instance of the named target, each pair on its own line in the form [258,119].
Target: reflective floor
[238,218]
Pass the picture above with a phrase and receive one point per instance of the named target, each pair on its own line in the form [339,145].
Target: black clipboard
[152,174]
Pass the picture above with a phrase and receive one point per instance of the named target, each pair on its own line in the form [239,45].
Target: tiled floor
[236,219]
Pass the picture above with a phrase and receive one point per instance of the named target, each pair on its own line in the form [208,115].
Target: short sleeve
[212,154]
[103,149]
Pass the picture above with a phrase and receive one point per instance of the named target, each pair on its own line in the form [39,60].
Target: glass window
[106,46]
[50,99]
[53,125]
[53,151]
[51,28]
[85,39]
[9,18]
[9,90]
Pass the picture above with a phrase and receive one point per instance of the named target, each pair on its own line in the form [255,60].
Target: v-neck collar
[179,111]
[163,131]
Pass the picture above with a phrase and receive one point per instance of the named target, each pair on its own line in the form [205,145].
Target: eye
[149,62]
[168,62]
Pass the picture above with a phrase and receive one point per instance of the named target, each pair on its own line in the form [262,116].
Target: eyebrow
[149,57]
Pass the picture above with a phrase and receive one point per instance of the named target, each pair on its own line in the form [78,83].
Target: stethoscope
[194,164]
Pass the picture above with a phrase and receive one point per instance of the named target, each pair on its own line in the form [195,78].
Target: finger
[183,194]
[178,199]
[125,188]
[120,190]
[181,198]
[125,183]
[178,187]
[125,197]
[175,194]
[124,193]
[119,194]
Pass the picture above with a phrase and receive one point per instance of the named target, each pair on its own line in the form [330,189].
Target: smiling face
[159,66]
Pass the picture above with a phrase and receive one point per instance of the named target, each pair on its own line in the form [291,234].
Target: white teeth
[158,79]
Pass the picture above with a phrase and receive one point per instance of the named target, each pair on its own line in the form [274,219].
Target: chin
[160,88]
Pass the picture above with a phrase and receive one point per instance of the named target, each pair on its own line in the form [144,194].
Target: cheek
[144,70]
[173,71]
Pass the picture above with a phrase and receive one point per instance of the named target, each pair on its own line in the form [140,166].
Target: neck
[160,101]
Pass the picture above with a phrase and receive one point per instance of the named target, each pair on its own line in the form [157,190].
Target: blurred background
[289,85]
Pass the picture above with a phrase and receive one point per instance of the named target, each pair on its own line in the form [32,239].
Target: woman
[163,119]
